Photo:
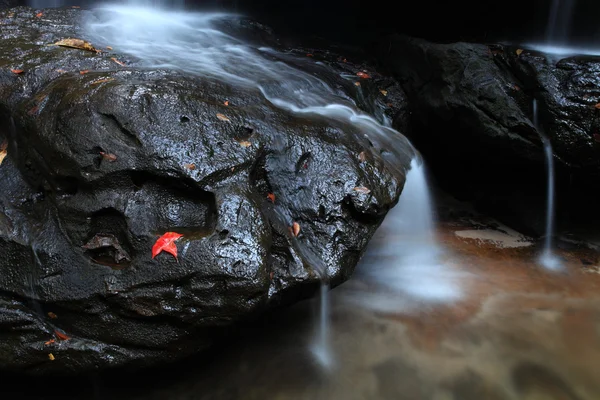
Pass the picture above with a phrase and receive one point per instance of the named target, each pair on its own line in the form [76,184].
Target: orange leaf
[109,48]
[49,342]
[52,315]
[99,81]
[309,55]
[61,335]
[122,64]
[271,196]
[191,167]
[77,44]
[166,243]
[245,143]
[51,357]
[61,71]
[383,92]
[108,156]
[362,189]
[226,103]
[356,83]
[519,51]
[17,71]
[597,106]
[223,118]
[85,71]
[3,151]
[295,229]
[39,15]
[363,75]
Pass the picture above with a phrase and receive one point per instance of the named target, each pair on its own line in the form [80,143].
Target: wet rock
[77,229]
[472,116]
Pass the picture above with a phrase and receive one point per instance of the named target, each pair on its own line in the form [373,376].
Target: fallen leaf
[99,81]
[383,92]
[85,71]
[223,118]
[362,156]
[17,71]
[121,63]
[52,315]
[109,48]
[77,44]
[390,104]
[108,156]
[597,106]
[39,15]
[191,167]
[362,189]
[309,55]
[356,83]
[226,103]
[519,51]
[271,196]
[49,342]
[344,60]
[363,75]
[245,143]
[61,71]
[3,151]
[517,88]
[61,335]
[166,243]
[33,110]
[271,275]
[51,357]
[295,229]
[597,137]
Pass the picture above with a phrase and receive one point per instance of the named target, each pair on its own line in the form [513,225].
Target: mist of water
[548,259]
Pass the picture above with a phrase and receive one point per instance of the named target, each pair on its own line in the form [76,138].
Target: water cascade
[547,259]
[195,44]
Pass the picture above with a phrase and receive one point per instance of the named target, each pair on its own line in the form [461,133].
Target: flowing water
[548,259]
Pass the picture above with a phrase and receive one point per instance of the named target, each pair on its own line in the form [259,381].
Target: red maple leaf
[166,243]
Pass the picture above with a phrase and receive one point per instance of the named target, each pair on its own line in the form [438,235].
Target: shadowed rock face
[101,163]
[472,117]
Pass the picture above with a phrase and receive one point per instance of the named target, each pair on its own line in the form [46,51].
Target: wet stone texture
[472,117]
[101,163]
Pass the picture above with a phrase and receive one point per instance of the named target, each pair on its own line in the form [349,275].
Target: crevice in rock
[128,136]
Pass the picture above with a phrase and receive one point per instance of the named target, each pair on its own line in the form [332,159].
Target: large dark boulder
[472,117]
[101,163]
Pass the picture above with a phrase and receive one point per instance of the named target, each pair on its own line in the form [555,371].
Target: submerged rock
[103,159]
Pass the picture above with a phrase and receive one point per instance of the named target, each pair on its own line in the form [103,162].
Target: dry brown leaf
[363,75]
[519,51]
[77,44]
[109,48]
[223,117]
[356,83]
[191,167]
[61,335]
[52,315]
[99,81]
[309,55]
[296,229]
[271,196]
[226,103]
[61,71]
[383,92]
[85,71]
[51,357]
[3,151]
[17,71]
[362,189]
[245,143]
[108,157]
[362,156]
[121,63]
[597,106]
[517,88]
[49,342]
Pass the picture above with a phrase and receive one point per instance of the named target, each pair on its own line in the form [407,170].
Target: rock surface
[101,162]
[472,117]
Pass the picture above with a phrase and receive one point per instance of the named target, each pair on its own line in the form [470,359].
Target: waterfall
[547,258]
